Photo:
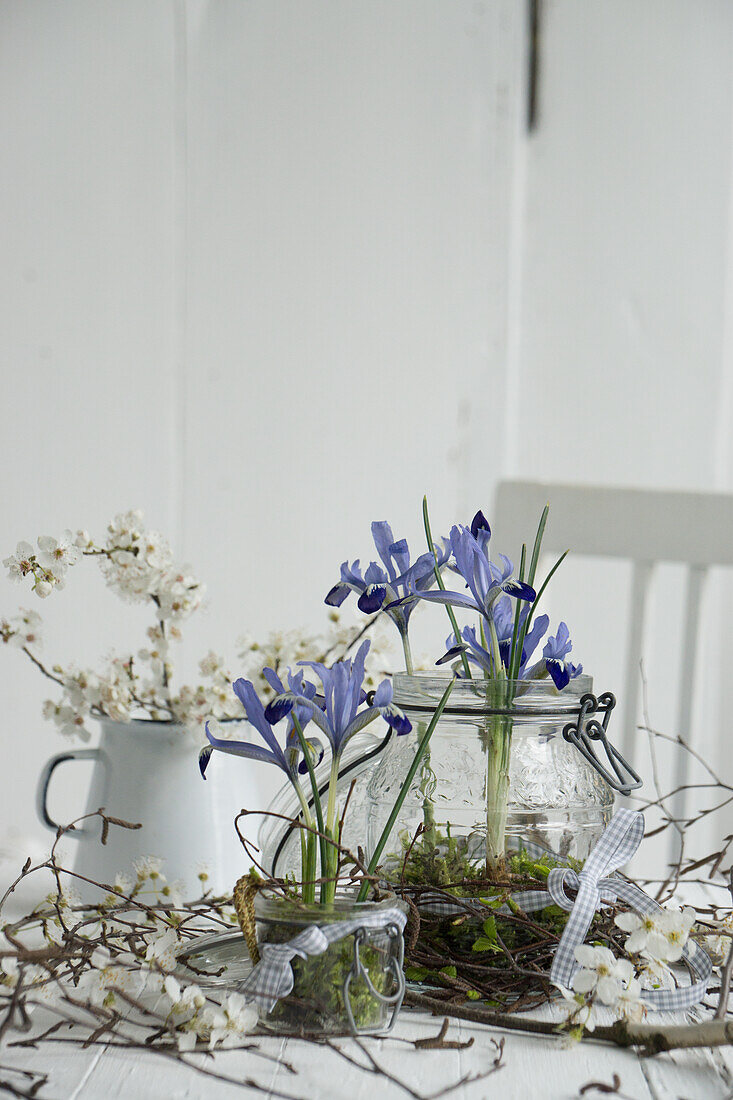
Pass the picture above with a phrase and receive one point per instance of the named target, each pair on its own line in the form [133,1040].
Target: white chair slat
[696,577]
[634,524]
[645,527]
[641,578]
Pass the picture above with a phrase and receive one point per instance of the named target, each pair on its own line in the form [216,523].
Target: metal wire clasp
[588,729]
[357,971]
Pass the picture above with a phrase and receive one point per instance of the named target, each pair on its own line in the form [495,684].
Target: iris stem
[514,663]
[499,672]
[498,752]
[409,667]
[545,583]
[441,586]
[421,750]
[307,869]
[534,562]
[316,802]
[329,872]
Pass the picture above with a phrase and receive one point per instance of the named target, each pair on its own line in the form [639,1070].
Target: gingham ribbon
[272,977]
[597,883]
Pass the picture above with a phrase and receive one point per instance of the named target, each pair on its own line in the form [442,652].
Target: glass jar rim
[344,906]
[424,690]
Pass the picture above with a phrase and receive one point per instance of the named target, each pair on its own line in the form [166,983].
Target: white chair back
[644,527]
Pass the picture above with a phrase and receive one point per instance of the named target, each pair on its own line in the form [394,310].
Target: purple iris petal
[337,595]
[204,758]
[372,598]
[317,752]
[479,523]
[396,578]
[558,647]
[255,712]
[532,637]
[277,709]
[519,590]
[343,695]
[398,721]
[400,554]
[451,654]
[384,540]
[559,672]
[554,653]
[383,695]
[262,718]
[245,748]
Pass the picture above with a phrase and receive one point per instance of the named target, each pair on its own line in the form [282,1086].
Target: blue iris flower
[271,752]
[385,586]
[553,659]
[504,621]
[479,655]
[485,580]
[298,685]
[340,718]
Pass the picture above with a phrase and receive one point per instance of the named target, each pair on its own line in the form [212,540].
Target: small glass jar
[355,986]
[498,776]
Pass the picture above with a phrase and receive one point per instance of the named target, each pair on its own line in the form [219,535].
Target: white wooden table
[533,1067]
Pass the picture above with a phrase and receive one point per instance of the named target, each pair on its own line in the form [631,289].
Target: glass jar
[355,986]
[498,776]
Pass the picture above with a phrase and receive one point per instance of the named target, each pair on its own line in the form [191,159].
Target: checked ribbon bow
[599,882]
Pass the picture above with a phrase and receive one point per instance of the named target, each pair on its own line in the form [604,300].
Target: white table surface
[534,1067]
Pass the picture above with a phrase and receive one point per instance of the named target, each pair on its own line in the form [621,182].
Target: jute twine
[244,903]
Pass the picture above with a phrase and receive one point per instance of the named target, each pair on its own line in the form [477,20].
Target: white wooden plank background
[254,283]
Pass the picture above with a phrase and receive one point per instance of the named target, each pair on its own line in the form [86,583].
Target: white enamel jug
[147,772]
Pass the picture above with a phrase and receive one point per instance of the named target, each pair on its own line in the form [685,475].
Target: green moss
[465,940]
[316,1004]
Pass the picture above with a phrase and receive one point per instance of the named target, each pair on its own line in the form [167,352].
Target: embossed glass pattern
[490,754]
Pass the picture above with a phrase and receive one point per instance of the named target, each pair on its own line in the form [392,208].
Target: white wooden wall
[623,369]
[254,282]
[271,270]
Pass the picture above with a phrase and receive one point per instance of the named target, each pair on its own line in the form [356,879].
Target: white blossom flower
[148,867]
[629,1004]
[70,722]
[645,933]
[579,1008]
[155,550]
[106,974]
[9,971]
[718,944]
[602,973]
[21,563]
[56,555]
[179,596]
[188,999]
[162,948]
[654,973]
[676,927]
[210,664]
[660,935]
[53,932]
[22,630]
[186,1038]
[43,589]
[229,1023]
